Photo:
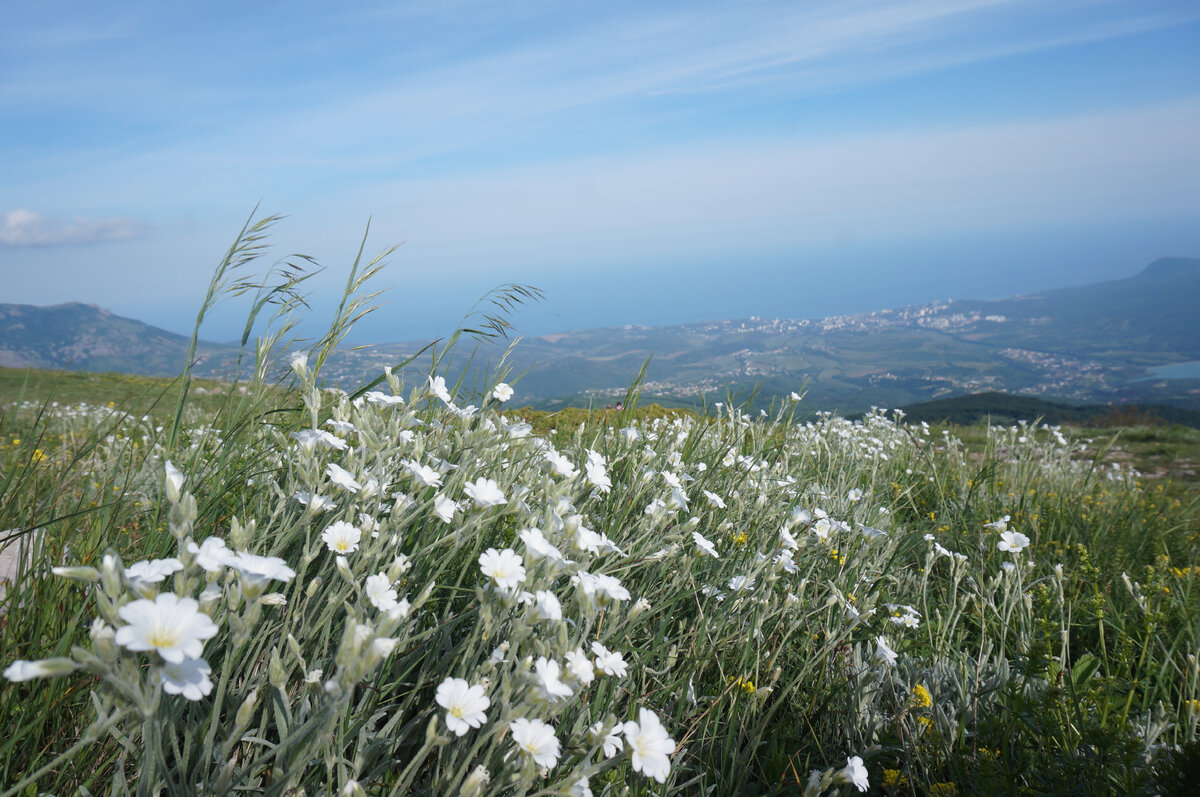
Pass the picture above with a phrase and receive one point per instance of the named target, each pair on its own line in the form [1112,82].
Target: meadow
[413,589]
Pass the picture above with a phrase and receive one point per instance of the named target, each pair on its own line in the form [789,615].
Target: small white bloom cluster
[171,628]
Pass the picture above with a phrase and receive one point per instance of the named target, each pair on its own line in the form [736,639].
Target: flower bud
[240,535]
[87,575]
[352,789]
[102,640]
[245,712]
[432,737]
[110,575]
[21,670]
[294,648]
[276,673]
[225,779]
[208,598]
[343,568]
[173,482]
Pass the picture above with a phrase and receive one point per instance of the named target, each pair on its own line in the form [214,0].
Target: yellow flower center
[162,637]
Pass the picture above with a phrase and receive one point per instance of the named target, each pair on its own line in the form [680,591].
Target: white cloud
[23,227]
[1141,163]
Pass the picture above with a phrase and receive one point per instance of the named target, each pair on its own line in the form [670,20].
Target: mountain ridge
[1093,342]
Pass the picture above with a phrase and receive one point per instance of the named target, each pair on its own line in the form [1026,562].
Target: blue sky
[641,162]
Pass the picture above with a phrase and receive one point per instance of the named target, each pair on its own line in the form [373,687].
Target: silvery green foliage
[418,594]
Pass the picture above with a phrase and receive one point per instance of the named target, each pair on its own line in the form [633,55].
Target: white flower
[315,503]
[786,562]
[608,661]
[299,363]
[594,586]
[341,427]
[309,439]
[594,542]
[485,493]
[437,387]
[854,772]
[342,478]
[546,606]
[714,500]
[424,474]
[883,653]
[173,626]
[538,547]
[656,508]
[506,568]
[380,593]
[579,667]
[739,583]
[580,788]
[650,745]
[1013,542]
[444,508]
[341,537]
[822,528]
[212,555]
[257,569]
[704,545]
[788,540]
[502,392]
[465,704]
[610,738]
[549,684]
[998,525]
[855,495]
[382,399]
[174,482]
[561,465]
[536,739]
[188,678]
[870,533]
[152,572]
[906,616]
[597,472]
[476,782]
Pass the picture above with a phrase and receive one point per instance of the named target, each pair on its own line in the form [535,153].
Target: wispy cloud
[21,227]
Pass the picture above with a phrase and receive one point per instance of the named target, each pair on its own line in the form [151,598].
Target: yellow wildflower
[921,697]
[745,684]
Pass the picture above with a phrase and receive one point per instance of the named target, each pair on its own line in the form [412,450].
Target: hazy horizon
[641,164]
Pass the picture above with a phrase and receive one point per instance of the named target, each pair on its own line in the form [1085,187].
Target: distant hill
[1092,343]
[84,337]
[1003,408]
